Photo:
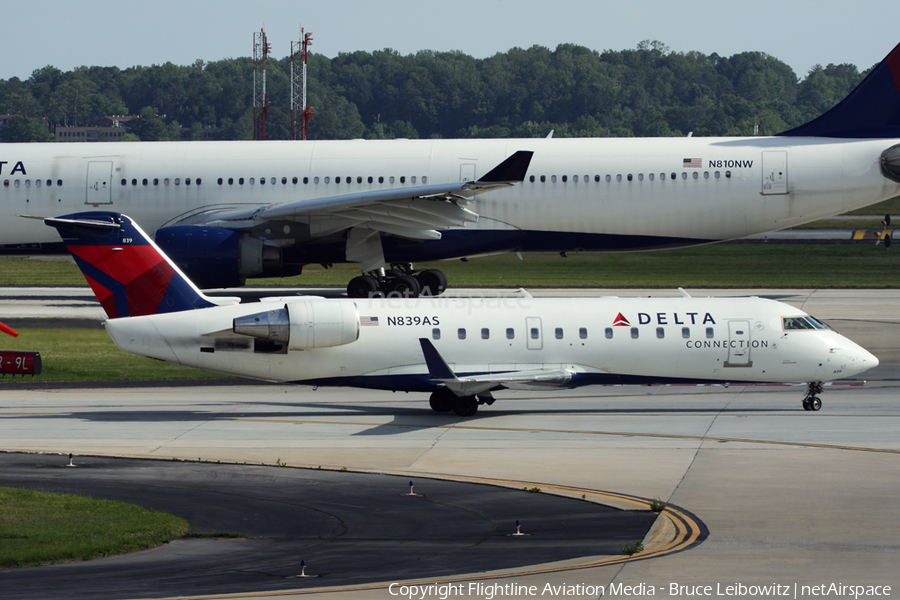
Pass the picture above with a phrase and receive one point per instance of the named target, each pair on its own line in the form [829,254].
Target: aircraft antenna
[261,51]
[300,112]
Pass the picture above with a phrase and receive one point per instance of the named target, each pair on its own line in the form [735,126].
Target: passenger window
[630,177]
[565,178]
[461,333]
[187,181]
[597,178]
[705,174]
[369,179]
[327,180]
[59,183]
[531,178]
[485,333]
[709,332]
[553,179]
[403,180]
[619,177]
[543,178]
[684,175]
[582,333]
[510,333]
[253,180]
[272,181]
[609,333]
[381,179]
[178,181]
[391,179]
[435,334]
[294,181]
[219,181]
[156,182]
[123,182]
[37,182]
[535,334]
[660,333]
[358,179]
[686,333]
[143,182]
[166,181]
[240,181]
[284,181]
[674,176]
[727,174]
[336,180]
[575,178]
[717,174]
[608,178]
[424,179]
[634,333]
[559,333]
[695,175]
[640,176]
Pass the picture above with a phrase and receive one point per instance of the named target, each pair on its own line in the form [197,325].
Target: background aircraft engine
[890,163]
[304,325]
[213,257]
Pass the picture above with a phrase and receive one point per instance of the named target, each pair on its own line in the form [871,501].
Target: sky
[125,33]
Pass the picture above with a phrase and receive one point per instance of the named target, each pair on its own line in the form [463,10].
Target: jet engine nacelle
[302,325]
[213,257]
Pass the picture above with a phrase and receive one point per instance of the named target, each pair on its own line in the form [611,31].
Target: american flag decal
[692,163]
[368,321]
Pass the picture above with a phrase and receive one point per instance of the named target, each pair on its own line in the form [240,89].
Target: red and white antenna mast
[300,112]
[261,51]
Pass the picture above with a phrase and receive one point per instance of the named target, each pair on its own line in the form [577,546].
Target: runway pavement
[788,497]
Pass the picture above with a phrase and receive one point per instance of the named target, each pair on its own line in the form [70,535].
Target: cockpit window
[807,322]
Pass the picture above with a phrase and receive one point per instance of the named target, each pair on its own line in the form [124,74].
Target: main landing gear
[443,400]
[400,281]
[811,400]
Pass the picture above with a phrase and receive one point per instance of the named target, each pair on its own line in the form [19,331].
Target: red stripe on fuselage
[144,274]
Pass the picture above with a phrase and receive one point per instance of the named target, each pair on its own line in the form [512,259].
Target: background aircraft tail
[129,274]
[871,110]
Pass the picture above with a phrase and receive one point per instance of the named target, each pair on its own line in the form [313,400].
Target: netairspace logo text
[490,591]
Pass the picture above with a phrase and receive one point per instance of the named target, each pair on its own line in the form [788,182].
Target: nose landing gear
[811,400]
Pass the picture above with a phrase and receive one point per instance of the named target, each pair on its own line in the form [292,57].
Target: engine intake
[303,325]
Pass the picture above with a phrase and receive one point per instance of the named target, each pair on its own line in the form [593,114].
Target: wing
[415,212]
[470,385]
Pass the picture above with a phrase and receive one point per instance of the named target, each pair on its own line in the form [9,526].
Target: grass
[40,527]
[89,355]
[858,265]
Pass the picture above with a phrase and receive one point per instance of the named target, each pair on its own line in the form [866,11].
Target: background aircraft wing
[415,212]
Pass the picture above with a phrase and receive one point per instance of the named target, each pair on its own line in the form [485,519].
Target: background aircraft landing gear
[811,400]
[400,281]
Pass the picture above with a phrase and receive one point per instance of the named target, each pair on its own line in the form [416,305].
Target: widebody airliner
[459,350]
[228,211]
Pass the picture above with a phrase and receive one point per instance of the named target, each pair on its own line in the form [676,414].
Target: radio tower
[260,100]
[300,112]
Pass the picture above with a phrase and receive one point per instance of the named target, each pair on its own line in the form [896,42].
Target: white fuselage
[594,340]
[615,187]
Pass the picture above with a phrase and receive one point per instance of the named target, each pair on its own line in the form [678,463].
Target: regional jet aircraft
[460,350]
[226,211]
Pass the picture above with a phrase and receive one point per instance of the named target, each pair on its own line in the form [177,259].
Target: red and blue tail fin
[871,110]
[129,274]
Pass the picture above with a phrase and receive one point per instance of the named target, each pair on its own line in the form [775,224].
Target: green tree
[25,129]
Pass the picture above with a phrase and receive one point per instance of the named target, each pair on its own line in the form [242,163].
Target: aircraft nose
[859,360]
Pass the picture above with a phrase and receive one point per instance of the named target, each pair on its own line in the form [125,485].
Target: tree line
[572,90]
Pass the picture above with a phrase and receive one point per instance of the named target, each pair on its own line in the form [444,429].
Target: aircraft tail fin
[129,274]
[871,110]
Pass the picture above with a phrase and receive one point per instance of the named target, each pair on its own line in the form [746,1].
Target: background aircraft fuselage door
[99,183]
[774,172]
[738,344]
[533,333]
[467,172]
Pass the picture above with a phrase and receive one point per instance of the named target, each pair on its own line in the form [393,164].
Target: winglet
[511,169]
[437,367]
[128,273]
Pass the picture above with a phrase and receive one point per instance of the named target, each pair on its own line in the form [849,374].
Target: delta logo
[691,318]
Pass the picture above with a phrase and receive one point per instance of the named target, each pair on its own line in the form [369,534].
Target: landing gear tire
[811,400]
[441,400]
[815,404]
[402,286]
[363,286]
[432,282]
[465,406]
